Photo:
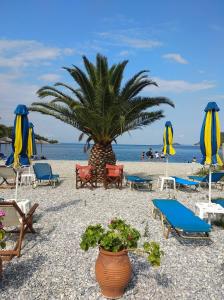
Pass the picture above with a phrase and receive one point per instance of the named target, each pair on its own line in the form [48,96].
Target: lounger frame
[138,185]
[25,226]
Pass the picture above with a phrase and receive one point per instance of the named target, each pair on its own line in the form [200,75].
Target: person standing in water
[143,156]
[156,154]
[149,154]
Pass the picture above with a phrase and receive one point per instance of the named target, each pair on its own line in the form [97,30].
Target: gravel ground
[53,266]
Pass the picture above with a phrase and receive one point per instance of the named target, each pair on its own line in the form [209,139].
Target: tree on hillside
[100,106]
[5,131]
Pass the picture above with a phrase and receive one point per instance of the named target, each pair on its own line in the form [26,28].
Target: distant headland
[6,131]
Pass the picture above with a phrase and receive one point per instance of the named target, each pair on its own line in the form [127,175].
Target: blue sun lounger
[138,182]
[43,172]
[177,217]
[185,182]
[216,176]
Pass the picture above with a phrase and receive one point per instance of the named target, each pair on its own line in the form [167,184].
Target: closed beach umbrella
[19,139]
[32,149]
[5,141]
[210,139]
[41,142]
[19,157]
[168,142]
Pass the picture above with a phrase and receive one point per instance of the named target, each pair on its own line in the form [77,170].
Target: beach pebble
[52,265]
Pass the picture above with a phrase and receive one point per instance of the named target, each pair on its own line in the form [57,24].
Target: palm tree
[100,106]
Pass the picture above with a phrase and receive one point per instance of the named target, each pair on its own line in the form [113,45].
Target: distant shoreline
[118,144]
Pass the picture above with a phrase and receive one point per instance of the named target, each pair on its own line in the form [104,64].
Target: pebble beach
[52,265]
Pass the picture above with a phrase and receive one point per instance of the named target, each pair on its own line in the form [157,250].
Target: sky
[180,42]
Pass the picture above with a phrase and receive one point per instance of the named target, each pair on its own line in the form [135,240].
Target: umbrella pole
[210,185]
[17,184]
[167,161]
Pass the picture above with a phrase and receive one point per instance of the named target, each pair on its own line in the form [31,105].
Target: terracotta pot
[113,272]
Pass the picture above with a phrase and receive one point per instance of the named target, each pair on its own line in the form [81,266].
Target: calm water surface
[72,151]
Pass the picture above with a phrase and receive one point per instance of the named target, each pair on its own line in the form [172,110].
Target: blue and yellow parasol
[210,139]
[168,139]
[31,149]
[18,157]
[168,143]
[19,138]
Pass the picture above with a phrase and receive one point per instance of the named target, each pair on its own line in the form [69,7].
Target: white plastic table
[24,204]
[27,178]
[208,209]
[163,179]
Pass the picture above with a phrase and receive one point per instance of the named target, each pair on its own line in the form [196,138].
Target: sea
[74,151]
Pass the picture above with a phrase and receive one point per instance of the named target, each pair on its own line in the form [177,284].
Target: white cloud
[175,57]
[219,97]
[179,86]
[69,51]
[12,91]
[16,44]
[21,53]
[131,38]
[125,53]
[181,136]
[50,77]
[140,43]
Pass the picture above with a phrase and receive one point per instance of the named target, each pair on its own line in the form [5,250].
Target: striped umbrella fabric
[19,139]
[19,157]
[168,139]
[168,143]
[31,149]
[210,139]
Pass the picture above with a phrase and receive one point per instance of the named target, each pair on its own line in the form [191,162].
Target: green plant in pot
[2,236]
[113,267]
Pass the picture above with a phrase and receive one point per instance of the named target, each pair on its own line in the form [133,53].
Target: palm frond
[75,91]
[81,136]
[116,76]
[87,144]
[138,76]
[91,70]
[85,85]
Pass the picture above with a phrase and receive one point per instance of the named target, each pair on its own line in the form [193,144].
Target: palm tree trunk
[100,155]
